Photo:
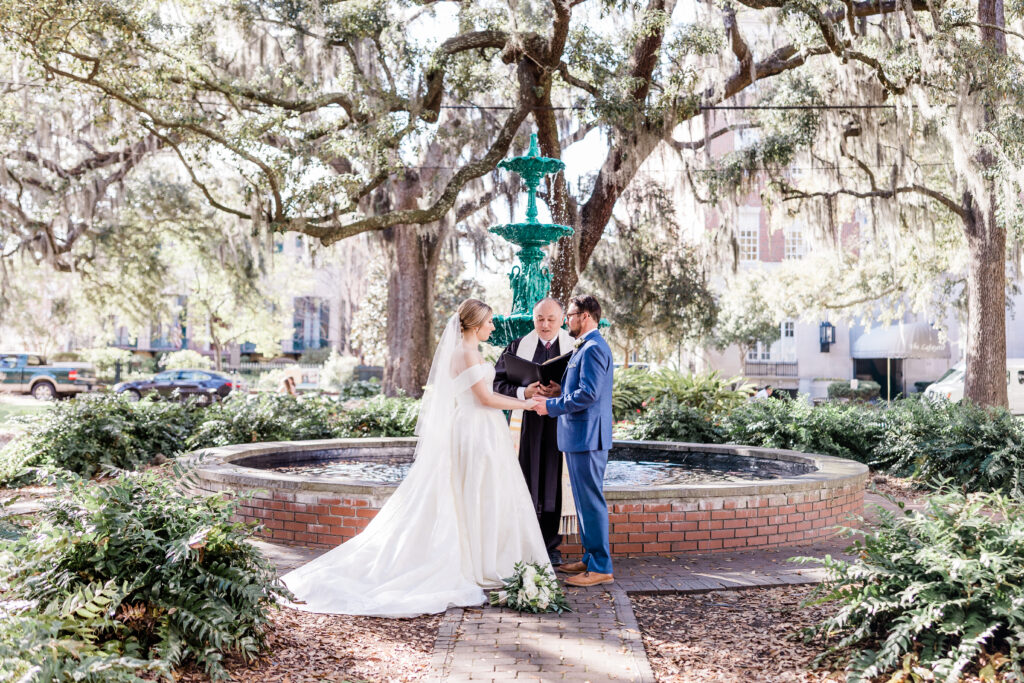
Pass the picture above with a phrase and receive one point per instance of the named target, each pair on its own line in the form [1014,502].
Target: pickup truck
[28,373]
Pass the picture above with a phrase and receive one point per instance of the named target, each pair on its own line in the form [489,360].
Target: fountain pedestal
[530,281]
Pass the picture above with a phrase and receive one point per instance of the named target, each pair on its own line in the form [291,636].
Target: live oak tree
[331,114]
[948,151]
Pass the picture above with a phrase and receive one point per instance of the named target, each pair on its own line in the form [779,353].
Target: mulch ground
[731,636]
[319,647]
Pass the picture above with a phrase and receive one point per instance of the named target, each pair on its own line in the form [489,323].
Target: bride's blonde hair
[473,313]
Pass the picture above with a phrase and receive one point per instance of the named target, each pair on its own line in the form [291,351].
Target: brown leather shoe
[573,568]
[587,579]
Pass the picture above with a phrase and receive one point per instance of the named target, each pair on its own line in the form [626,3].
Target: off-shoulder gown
[453,528]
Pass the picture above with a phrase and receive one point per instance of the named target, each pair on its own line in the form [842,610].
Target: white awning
[906,340]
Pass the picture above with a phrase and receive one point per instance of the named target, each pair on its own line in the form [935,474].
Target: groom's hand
[542,408]
[532,389]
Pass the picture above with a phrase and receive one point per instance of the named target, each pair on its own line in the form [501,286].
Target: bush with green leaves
[981,449]
[359,388]
[97,430]
[180,580]
[866,390]
[634,389]
[844,430]
[379,416]
[69,642]
[938,592]
[630,388]
[669,420]
[266,417]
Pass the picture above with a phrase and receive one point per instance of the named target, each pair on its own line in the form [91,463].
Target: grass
[11,410]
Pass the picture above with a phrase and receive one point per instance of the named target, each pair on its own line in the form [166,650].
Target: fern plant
[191,586]
[74,640]
[939,591]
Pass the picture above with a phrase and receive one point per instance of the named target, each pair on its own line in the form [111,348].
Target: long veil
[437,407]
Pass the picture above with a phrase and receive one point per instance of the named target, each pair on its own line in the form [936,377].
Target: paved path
[599,640]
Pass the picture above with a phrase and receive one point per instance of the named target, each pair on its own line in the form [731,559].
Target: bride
[462,517]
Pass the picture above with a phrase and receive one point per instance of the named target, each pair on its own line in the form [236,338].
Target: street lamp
[827,335]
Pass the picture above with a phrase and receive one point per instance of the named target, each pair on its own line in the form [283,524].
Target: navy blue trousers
[586,474]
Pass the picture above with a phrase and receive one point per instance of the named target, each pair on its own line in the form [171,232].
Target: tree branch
[680,146]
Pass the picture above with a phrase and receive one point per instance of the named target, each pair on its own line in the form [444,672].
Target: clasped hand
[537,395]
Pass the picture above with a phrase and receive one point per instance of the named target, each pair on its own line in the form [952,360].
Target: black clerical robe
[539,457]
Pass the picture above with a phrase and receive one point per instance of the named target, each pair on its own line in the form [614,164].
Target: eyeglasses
[569,315]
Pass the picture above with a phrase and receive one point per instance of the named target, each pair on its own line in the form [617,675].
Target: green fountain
[530,282]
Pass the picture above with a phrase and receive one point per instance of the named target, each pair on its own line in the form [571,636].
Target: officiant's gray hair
[552,300]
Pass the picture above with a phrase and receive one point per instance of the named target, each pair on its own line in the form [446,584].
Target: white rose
[529,574]
[521,598]
[531,590]
[545,598]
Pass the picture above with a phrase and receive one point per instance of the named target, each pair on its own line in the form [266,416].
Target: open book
[524,372]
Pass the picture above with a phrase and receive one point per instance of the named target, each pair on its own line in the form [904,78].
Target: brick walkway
[599,640]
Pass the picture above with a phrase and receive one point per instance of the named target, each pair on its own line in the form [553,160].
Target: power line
[505,107]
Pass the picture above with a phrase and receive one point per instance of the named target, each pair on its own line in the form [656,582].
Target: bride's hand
[531,404]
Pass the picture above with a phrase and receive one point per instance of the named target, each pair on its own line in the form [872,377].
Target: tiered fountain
[530,282]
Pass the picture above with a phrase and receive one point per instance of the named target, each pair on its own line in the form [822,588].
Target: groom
[584,412]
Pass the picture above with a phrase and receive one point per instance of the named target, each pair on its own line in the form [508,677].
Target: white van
[951,385]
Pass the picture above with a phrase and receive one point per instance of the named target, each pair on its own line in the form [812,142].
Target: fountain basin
[772,498]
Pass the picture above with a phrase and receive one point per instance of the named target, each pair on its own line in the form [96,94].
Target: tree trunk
[985,381]
[412,254]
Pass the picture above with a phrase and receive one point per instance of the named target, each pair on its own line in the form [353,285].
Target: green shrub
[64,643]
[265,417]
[379,416]
[669,420]
[981,449]
[93,431]
[187,583]
[359,389]
[844,430]
[866,390]
[634,389]
[941,589]
[630,388]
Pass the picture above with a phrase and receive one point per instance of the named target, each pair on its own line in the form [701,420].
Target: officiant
[539,457]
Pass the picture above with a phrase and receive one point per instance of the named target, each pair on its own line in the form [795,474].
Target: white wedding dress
[455,526]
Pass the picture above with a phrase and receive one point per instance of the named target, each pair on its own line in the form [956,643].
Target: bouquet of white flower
[531,588]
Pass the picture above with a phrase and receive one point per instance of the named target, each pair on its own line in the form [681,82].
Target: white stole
[526,350]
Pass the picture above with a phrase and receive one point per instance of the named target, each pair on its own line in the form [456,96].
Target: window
[795,248]
[166,376]
[788,329]
[749,233]
[33,360]
[1020,377]
[760,352]
[9,362]
[193,376]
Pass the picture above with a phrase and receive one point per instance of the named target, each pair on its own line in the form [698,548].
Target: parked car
[28,373]
[951,385]
[205,386]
